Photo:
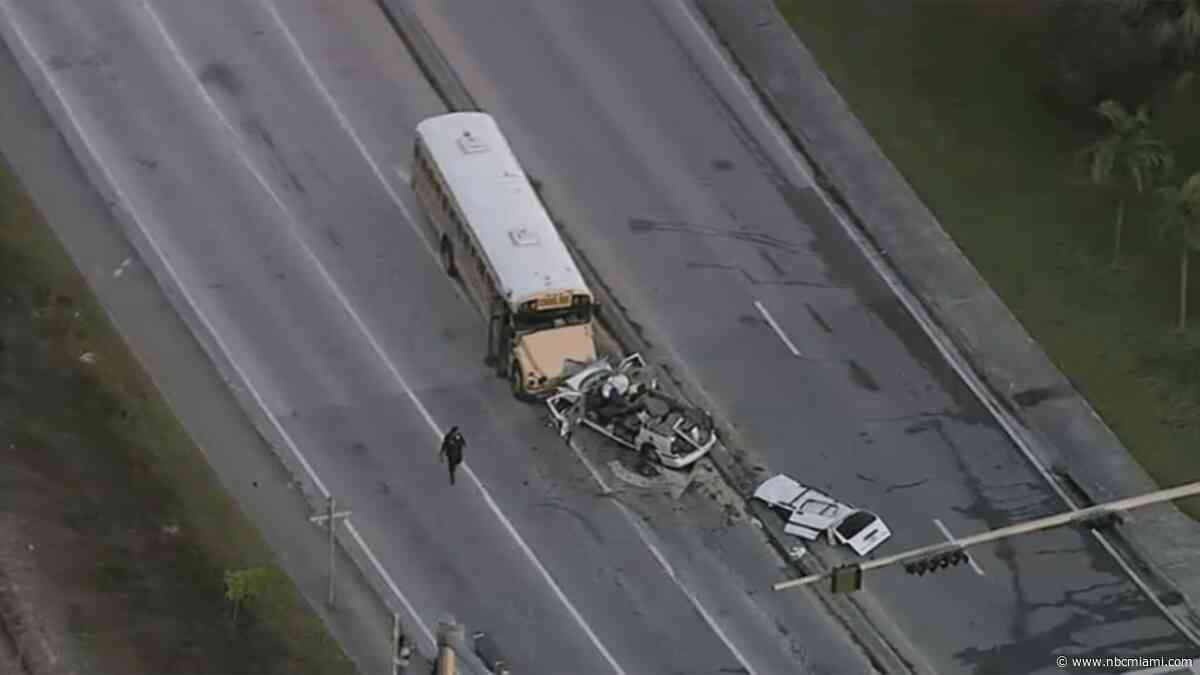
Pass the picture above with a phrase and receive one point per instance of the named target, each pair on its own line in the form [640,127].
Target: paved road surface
[698,234]
[252,147]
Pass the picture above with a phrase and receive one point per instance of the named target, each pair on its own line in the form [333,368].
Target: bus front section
[546,333]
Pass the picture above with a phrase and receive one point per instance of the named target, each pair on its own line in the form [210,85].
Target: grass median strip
[120,531]
[955,95]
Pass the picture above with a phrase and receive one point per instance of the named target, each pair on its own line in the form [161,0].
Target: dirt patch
[114,533]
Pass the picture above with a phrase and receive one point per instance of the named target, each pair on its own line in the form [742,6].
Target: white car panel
[811,512]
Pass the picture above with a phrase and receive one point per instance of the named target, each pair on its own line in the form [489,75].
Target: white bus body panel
[519,240]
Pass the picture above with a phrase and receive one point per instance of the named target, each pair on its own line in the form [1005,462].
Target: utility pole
[331,517]
[848,578]
[449,633]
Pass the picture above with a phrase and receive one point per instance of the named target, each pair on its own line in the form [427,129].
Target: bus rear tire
[448,258]
[514,379]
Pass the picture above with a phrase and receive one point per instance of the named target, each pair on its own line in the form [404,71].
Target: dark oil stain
[820,320]
[222,77]
[771,262]
[692,265]
[333,238]
[640,225]
[296,183]
[97,59]
[722,164]
[555,504]
[255,128]
[750,278]
[148,164]
[861,377]
[1031,397]
[56,63]
[905,486]
[921,427]
[751,320]
[643,225]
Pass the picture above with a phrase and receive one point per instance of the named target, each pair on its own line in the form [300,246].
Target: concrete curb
[19,622]
[1045,412]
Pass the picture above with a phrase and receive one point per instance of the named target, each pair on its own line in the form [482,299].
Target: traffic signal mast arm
[1068,518]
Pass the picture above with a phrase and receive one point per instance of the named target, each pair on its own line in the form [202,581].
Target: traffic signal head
[847,578]
[918,568]
[937,562]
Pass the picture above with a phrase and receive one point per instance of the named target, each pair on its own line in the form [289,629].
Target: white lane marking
[918,313]
[177,54]
[644,535]
[348,128]
[954,540]
[387,578]
[778,331]
[545,574]
[344,122]
[182,289]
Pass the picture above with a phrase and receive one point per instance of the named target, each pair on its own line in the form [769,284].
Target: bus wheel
[514,378]
[448,258]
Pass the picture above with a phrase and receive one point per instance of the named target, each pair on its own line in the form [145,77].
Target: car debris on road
[623,403]
[808,513]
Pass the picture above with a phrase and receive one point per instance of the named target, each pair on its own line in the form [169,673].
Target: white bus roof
[497,199]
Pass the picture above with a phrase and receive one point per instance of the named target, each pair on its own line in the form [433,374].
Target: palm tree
[1129,158]
[1177,213]
[1175,23]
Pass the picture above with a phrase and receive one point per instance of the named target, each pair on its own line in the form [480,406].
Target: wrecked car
[809,513]
[623,403]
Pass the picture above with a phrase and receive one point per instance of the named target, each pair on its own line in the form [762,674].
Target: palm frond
[1189,26]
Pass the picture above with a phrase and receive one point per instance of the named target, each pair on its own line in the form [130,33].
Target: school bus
[493,234]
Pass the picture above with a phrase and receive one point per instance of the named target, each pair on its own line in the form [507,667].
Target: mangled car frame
[623,403]
[808,513]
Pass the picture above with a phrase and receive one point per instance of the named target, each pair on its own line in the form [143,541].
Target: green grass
[952,92]
[125,467]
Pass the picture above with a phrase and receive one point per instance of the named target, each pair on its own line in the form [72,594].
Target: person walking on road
[452,450]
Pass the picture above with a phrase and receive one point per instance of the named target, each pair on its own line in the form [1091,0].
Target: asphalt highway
[258,151]
[742,274]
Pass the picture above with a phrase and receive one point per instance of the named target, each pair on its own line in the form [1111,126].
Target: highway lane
[236,248]
[231,247]
[695,231]
[256,158]
[625,568]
